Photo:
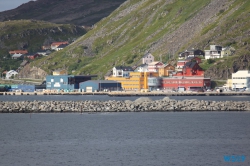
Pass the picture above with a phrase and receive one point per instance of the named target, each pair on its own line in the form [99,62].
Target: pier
[133,93]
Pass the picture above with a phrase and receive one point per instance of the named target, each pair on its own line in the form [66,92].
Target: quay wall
[132,93]
[142,104]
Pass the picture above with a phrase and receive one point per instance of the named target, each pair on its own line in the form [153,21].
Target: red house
[31,56]
[191,69]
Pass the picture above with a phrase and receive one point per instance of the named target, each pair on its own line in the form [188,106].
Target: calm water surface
[124,139]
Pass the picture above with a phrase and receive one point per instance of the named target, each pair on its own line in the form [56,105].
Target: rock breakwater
[142,104]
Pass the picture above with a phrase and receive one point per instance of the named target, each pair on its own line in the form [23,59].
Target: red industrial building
[188,83]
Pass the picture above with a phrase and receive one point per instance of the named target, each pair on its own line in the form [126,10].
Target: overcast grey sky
[10,4]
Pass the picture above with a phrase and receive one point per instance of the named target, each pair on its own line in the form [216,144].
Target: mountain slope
[162,27]
[78,12]
[31,35]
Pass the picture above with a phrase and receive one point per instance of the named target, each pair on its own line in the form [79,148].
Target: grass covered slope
[163,27]
[31,35]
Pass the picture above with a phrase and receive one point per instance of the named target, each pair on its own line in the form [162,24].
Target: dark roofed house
[192,69]
[191,53]
[31,55]
[60,47]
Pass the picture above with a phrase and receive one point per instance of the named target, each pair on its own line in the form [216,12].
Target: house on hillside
[18,52]
[17,56]
[122,71]
[44,52]
[147,58]
[191,53]
[54,45]
[142,68]
[192,69]
[60,47]
[193,59]
[214,52]
[31,56]
[181,63]
[166,70]
[154,66]
[11,73]
[46,47]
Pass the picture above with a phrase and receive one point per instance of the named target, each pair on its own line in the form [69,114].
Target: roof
[17,55]
[182,77]
[190,64]
[126,68]
[143,65]
[24,63]
[147,55]
[30,54]
[18,52]
[59,43]
[62,45]
[102,81]
[154,63]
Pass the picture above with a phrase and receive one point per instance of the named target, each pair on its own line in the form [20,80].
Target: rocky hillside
[78,12]
[162,27]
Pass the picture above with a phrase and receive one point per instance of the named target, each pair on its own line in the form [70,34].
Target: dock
[132,93]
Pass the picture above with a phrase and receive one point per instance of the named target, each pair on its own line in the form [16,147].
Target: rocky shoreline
[143,104]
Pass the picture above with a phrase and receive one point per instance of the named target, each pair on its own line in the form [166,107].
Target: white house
[154,66]
[142,68]
[16,56]
[214,52]
[11,73]
[147,58]
[122,71]
[62,46]
[241,79]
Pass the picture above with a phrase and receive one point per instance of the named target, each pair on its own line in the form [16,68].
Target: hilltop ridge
[78,12]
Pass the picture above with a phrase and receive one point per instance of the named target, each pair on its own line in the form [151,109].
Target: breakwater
[143,104]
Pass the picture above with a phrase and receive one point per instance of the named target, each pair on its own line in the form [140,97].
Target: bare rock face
[32,72]
[240,63]
[78,12]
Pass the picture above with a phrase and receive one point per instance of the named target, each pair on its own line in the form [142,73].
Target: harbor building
[65,82]
[241,79]
[100,85]
[135,81]
[186,83]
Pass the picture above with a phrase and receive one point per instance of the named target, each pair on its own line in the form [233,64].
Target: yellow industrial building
[135,81]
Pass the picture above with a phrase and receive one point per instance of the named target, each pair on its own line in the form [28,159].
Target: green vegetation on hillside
[31,35]
[164,28]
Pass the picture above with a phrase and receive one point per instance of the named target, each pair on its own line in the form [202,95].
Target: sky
[11,4]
